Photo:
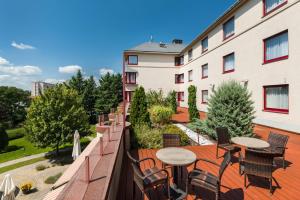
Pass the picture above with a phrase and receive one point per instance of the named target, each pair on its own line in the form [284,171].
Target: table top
[176,156]
[250,142]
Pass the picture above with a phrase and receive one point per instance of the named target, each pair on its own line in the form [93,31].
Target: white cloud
[4,77]
[20,70]
[3,61]
[71,69]
[104,71]
[54,81]
[21,46]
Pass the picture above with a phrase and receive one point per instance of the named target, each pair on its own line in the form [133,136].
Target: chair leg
[169,195]
[217,155]
[133,191]
[270,185]
[245,180]
[283,162]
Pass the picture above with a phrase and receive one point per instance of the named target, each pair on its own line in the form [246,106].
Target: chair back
[278,140]
[171,140]
[223,135]
[138,176]
[259,163]
[224,164]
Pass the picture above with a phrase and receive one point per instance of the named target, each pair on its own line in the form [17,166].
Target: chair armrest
[161,170]
[145,159]
[205,160]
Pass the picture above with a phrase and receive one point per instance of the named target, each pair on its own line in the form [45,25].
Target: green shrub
[192,102]
[40,167]
[138,109]
[160,115]
[3,138]
[147,138]
[184,139]
[156,98]
[16,133]
[52,179]
[172,102]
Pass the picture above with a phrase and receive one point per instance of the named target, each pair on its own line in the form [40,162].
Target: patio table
[177,158]
[248,142]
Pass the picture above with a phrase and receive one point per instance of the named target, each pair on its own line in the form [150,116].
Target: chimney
[177,41]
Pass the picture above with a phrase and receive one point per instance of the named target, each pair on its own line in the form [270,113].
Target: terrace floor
[232,182]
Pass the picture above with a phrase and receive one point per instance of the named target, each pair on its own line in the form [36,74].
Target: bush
[52,179]
[172,129]
[40,167]
[172,102]
[138,109]
[160,115]
[156,98]
[26,187]
[3,138]
[16,133]
[192,102]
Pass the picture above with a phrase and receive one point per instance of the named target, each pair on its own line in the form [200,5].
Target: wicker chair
[171,140]
[224,141]
[277,145]
[149,178]
[257,163]
[207,180]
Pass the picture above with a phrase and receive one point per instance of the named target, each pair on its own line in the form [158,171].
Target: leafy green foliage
[230,106]
[151,138]
[3,138]
[53,179]
[53,117]
[160,115]
[40,167]
[192,102]
[138,109]
[86,88]
[156,98]
[109,93]
[13,104]
[172,102]
[16,133]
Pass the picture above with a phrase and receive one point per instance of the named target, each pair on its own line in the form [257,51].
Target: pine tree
[138,109]
[192,102]
[231,106]
[89,98]
[172,101]
[3,138]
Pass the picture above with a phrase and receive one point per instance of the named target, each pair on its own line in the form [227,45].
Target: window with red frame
[190,55]
[276,98]
[205,71]
[272,5]
[179,60]
[190,75]
[276,47]
[179,78]
[228,28]
[180,96]
[132,60]
[204,44]
[128,95]
[204,96]
[228,63]
[131,77]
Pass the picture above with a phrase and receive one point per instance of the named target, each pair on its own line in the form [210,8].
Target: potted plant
[26,187]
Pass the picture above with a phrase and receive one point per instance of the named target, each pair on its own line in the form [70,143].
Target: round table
[248,142]
[178,158]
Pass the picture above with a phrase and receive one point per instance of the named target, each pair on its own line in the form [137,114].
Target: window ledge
[229,36]
[276,111]
[275,60]
[274,9]
[204,77]
[229,71]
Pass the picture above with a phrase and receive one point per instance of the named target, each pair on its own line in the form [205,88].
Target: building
[254,42]
[39,87]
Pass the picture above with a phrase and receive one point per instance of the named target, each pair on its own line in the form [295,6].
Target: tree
[77,83]
[13,104]
[231,106]
[109,92]
[138,109]
[3,138]
[192,102]
[171,98]
[53,117]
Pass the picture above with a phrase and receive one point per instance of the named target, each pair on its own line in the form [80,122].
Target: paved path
[11,162]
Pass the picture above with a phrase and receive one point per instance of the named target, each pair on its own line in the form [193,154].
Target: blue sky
[50,39]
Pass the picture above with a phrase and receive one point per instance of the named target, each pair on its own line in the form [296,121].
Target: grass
[15,133]
[21,164]
[52,179]
[93,130]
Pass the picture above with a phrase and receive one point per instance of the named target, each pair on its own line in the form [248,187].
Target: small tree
[231,106]
[53,117]
[192,102]
[3,138]
[172,101]
[138,109]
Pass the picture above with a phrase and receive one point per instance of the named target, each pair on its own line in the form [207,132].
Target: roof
[152,47]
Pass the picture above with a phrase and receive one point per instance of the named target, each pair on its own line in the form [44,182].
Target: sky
[50,40]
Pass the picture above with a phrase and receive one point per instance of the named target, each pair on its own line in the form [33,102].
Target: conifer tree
[138,109]
[192,102]
[3,138]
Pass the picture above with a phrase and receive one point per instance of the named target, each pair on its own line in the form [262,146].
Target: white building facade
[38,88]
[255,42]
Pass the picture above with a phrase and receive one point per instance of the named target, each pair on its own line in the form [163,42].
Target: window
[190,73]
[276,47]
[179,60]
[271,5]
[228,28]
[276,98]
[204,44]
[128,95]
[204,71]
[180,96]
[179,78]
[228,63]
[190,54]
[130,77]
[132,60]
[204,96]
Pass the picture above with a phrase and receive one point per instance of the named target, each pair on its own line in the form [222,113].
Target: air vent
[162,45]
[177,41]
